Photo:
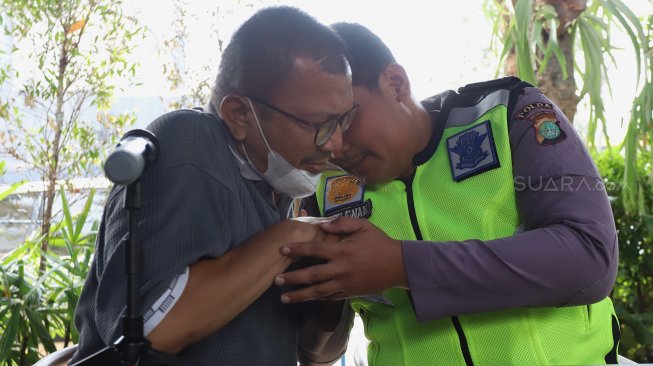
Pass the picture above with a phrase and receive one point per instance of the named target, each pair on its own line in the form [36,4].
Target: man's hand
[290,231]
[364,261]
[230,283]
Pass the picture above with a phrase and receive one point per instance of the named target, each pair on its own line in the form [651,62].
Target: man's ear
[398,81]
[235,111]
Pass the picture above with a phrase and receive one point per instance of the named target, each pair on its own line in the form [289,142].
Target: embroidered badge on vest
[547,129]
[472,152]
[343,196]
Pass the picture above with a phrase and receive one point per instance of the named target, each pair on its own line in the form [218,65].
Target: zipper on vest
[411,207]
[464,347]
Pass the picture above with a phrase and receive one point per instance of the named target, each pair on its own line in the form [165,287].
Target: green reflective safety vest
[468,196]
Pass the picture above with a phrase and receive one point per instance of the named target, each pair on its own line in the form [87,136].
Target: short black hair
[367,54]
[262,52]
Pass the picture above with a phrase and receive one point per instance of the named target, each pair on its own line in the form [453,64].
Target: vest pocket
[588,309]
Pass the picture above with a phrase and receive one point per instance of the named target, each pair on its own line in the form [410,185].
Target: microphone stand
[132,348]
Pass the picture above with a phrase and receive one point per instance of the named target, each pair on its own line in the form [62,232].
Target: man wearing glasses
[215,204]
[498,244]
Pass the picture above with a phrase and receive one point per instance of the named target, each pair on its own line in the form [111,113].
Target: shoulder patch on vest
[472,151]
[343,192]
[547,129]
[533,107]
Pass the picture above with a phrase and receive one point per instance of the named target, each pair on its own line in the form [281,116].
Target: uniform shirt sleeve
[567,253]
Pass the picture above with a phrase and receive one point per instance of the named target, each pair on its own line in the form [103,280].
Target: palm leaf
[10,332]
[68,220]
[36,322]
[81,218]
[621,12]
[523,14]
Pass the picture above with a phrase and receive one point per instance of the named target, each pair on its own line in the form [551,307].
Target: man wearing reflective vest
[497,243]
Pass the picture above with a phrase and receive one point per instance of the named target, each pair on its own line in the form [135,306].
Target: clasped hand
[358,259]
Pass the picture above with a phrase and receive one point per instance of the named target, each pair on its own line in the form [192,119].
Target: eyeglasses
[324,130]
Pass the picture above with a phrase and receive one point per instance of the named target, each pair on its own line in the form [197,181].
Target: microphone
[136,150]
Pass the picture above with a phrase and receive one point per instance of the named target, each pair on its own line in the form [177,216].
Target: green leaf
[68,218]
[619,10]
[554,47]
[81,219]
[523,14]
[36,323]
[9,335]
[10,190]
[643,332]
[631,178]
[507,46]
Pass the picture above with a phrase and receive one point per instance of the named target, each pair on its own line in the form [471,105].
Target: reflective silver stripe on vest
[464,116]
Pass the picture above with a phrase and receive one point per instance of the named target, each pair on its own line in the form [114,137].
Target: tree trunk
[560,90]
[552,83]
[53,159]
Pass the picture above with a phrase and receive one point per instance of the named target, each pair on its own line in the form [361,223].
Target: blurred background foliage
[552,44]
[38,302]
[633,291]
[562,46]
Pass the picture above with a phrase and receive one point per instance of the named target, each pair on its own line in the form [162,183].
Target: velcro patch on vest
[472,151]
[343,196]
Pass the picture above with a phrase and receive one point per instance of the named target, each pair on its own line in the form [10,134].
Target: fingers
[316,249]
[306,276]
[314,292]
[322,280]
[303,212]
[344,225]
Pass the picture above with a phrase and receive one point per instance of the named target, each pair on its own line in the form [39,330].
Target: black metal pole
[132,321]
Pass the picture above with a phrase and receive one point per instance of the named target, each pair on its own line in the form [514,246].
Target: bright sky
[441,47]
[420,35]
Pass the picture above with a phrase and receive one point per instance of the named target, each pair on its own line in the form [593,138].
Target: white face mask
[281,176]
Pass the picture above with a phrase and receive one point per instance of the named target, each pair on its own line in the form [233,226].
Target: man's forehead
[307,78]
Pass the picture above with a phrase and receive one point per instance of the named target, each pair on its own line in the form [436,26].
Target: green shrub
[37,307]
[633,291]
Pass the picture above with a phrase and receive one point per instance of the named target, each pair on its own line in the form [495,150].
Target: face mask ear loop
[247,156]
[258,124]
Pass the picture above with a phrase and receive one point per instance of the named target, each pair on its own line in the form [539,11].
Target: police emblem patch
[342,191]
[472,151]
[547,129]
